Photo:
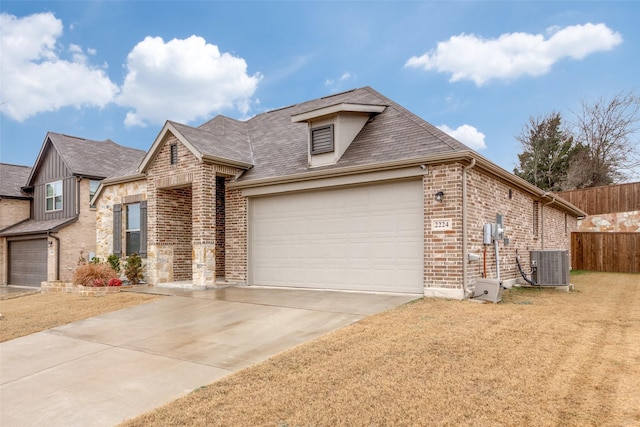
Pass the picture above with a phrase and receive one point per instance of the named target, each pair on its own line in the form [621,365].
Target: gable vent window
[322,139]
[174,153]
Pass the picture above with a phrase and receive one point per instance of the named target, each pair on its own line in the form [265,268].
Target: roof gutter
[226,162]
[114,181]
[466,156]
[350,170]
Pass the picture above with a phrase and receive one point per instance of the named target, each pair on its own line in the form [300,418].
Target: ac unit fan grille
[553,267]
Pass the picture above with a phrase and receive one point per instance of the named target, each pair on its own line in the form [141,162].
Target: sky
[476,69]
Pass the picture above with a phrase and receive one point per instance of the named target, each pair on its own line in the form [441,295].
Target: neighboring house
[61,226]
[350,192]
[15,204]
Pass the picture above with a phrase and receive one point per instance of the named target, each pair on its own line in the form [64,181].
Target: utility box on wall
[551,267]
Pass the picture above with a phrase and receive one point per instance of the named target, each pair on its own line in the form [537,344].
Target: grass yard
[540,358]
[36,312]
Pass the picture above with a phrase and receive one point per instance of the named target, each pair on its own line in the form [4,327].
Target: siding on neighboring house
[53,169]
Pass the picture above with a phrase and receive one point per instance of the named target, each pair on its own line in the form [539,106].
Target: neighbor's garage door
[27,262]
[366,238]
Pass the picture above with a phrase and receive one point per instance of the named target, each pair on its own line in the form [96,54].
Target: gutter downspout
[465,251]
[553,199]
[57,239]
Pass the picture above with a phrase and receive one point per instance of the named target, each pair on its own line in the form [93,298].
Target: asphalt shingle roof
[12,178]
[277,147]
[31,226]
[94,158]
[220,137]
[280,146]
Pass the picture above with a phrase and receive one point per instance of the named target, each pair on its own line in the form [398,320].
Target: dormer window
[333,128]
[322,139]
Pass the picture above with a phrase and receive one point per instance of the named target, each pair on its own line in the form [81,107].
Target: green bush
[114,262]
[133,269]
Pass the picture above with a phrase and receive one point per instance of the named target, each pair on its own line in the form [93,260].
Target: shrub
[114,262]
[133,269]
[114,282]
[93,275]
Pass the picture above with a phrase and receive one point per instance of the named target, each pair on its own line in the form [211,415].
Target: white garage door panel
[361,238]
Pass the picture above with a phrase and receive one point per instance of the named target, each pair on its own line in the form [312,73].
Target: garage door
[28,262]
[366,238]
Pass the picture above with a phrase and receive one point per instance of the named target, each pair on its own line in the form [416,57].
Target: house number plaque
[441,224]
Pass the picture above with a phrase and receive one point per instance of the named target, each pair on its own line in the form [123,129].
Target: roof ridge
[339,93]
[13,164]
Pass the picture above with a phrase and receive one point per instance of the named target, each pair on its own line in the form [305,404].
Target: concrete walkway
[109,368]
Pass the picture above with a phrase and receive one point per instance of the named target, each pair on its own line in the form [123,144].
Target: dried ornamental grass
[94,275]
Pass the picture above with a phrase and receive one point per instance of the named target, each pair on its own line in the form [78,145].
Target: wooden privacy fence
[608,199]
[610,252]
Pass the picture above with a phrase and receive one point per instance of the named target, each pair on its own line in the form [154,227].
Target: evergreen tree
[547,152]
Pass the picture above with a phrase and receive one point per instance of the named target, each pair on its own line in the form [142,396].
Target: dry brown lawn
[540,358]
[36,312]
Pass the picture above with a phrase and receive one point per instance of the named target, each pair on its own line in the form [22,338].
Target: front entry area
[364,238]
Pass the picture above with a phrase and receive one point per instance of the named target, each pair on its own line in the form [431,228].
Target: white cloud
[340,83]
[35,79]
[512,55]
[466,134]
[183,80]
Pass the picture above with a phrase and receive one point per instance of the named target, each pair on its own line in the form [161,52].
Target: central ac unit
[551,267]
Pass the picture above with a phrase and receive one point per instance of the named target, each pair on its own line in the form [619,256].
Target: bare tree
[608,131]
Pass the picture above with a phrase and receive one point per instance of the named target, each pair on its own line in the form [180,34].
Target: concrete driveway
[109,368]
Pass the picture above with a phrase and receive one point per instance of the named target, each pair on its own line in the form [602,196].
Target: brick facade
[236,237]
[186,217]
[529,224]
[198,227]
[12,211]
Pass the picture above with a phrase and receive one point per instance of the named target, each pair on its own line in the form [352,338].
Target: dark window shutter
[143,229]
[117,230]
[322,139]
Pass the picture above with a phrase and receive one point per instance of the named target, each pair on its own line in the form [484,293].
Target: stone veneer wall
[611,222]
[111,195]
[12,211]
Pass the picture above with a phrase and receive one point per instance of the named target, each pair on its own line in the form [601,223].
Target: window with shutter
[322,139]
